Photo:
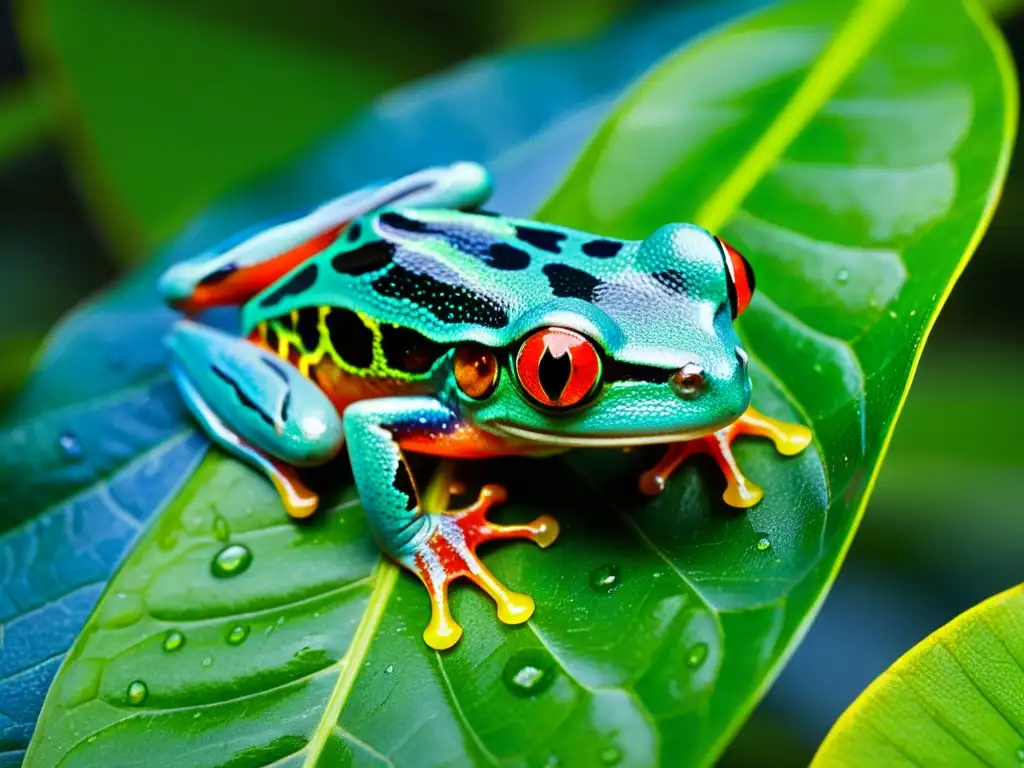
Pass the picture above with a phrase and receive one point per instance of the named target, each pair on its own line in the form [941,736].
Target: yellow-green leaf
[956,698]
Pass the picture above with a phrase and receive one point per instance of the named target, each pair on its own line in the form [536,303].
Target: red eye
[740,278]
[557,367]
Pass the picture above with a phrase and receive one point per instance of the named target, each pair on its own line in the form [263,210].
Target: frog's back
[452,276]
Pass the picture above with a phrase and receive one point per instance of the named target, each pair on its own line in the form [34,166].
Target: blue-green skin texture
[650,307]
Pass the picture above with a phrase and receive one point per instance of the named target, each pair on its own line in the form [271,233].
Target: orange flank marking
[244,283]
[464,442]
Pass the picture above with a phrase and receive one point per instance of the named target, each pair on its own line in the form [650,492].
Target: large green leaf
[956,698]
[865,143]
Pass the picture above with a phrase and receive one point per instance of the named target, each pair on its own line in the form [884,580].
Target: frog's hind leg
[789,439]
[257,407]
[437,546]
[249,262]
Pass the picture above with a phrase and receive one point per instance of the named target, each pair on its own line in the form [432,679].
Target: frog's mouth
[598,441]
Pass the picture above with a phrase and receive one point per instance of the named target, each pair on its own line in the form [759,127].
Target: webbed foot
[789,439]
[449,552]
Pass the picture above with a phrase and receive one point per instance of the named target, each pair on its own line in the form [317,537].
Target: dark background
[945,526]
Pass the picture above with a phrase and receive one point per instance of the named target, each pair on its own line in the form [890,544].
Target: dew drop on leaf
[231,561]
[137,692]
[389,669]
[69,446]
[611,756]
[238,634]
[697,654]
[121,610]
[173,641]
[529,672]
[605,578]
[763,544]
[208,661]
[843,276]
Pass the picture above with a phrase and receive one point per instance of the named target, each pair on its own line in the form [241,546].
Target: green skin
[649,307]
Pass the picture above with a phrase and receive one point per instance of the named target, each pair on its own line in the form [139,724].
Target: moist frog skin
[403,319]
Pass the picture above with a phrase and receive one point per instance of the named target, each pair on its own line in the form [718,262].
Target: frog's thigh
[248,399]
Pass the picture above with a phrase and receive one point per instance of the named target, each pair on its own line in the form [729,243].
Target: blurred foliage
[218,95]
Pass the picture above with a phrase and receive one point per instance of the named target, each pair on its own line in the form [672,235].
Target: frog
[404,318]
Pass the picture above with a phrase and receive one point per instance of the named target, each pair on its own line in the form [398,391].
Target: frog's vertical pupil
[476,370]
[554,373]
[557,367]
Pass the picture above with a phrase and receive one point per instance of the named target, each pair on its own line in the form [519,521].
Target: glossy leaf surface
[853,151]
[956,698]
[98,440]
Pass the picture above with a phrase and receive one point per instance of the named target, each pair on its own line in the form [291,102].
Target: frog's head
[650,357]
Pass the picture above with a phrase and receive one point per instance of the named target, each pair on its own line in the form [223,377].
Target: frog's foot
[449,552]
[789,439]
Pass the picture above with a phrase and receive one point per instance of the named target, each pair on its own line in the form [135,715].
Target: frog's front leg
[257,407]
[789,439]
[438,547]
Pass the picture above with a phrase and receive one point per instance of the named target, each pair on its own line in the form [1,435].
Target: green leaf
[854,151]
[955,698]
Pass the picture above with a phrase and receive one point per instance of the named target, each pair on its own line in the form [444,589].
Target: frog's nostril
[688,382]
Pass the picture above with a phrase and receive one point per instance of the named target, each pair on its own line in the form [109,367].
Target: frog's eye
[740,278]
[557,367]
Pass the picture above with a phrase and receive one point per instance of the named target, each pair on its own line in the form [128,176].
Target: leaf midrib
[384,580]
[857,36]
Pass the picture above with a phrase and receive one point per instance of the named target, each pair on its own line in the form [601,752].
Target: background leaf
[98,440]
[954,699]
[672,619]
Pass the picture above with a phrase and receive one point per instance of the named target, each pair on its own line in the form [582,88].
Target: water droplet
[208,661]
[121,610]
[174,641]
[137,692]
[553,761]
[843,276]
[70,446]
[1020,755]
[221,532]
[611,755]
[605,578]
[238,634]
[697,654]
[529,672]
[892,313]
[231,561]
[763,544]
[389,669]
